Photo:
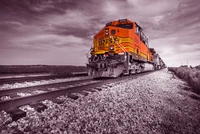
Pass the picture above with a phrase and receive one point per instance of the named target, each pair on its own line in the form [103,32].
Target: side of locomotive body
[121,48]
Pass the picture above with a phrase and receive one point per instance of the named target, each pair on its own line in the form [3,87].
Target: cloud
[47,31]
[149,8]
[158,18]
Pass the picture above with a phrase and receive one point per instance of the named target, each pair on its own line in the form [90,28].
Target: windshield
[127,25]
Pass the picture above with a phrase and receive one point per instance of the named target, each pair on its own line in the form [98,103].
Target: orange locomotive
[121,48]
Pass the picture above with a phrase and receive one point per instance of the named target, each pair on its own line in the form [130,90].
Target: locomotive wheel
[132,72]
[138,70]
[129,72]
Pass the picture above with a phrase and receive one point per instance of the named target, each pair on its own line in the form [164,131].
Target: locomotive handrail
[103,58]
[124,49]
[96,59]
[120,45]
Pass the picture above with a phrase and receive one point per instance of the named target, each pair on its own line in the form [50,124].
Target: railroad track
[90,85]
[32,78]
[13,91]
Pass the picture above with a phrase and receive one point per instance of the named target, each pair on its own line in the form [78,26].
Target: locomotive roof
[113,23]
[152,50]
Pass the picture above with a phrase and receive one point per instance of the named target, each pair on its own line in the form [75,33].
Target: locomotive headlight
[106,31]
[111,47]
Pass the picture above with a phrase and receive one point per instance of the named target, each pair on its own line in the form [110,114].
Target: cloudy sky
[60,32]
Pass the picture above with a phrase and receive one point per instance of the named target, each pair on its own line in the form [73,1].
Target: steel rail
[39,87]
[19,101]
[28,79]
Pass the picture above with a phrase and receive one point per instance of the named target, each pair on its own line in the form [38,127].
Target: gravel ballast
[153,103]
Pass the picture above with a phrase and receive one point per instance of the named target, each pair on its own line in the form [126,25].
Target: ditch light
[111,47]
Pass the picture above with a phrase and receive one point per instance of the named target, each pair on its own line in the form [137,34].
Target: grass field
[190,75]
[34,69]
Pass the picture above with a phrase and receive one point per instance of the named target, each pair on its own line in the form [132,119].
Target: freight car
[121,48]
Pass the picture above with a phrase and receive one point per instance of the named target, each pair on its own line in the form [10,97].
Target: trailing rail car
[121,48]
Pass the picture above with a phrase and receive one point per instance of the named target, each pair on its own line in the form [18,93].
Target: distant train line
[34,78]
[82,89]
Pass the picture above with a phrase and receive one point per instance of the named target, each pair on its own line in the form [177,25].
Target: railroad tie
[57,101]
[98,88]
[16,114]
[72,96]
[91,90]
[38,106]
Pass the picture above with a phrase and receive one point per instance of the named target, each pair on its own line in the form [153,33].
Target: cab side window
[137,30]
